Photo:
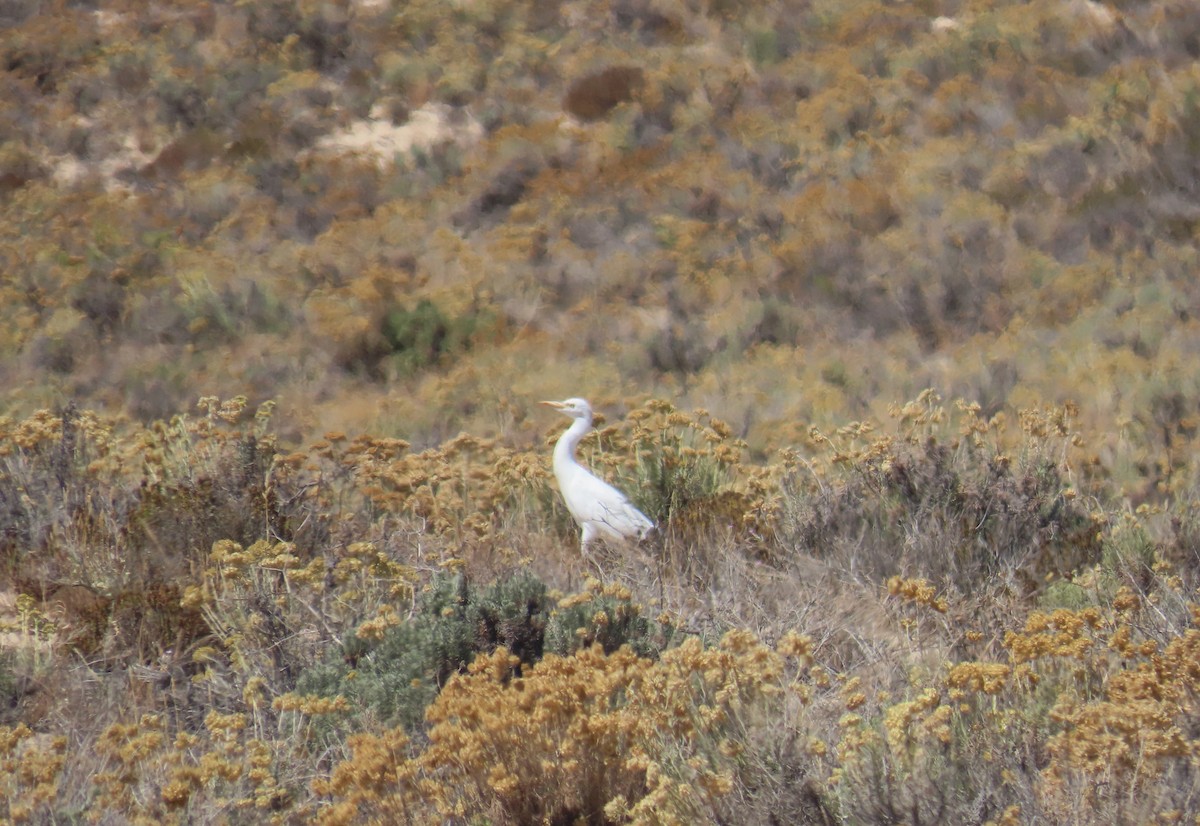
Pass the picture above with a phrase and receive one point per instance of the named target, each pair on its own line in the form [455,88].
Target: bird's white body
[601,510]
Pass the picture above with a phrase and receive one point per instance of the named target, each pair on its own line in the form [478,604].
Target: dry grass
[365,651]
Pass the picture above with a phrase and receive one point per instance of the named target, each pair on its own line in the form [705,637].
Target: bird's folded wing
[603,503]
[627,519]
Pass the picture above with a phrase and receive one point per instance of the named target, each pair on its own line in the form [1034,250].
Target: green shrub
[680,459]
[421,337]
[9,694]
[1129,554]
[605,615]
[396,677]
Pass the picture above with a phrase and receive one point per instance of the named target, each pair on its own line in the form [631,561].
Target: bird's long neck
[564,449]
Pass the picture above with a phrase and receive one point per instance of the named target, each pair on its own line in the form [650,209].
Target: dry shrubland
[369,236]
[386,217]
[931,618]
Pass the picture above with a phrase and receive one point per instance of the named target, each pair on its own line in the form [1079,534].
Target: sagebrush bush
[946,504]
[392,669]
[605,615]
[129,519]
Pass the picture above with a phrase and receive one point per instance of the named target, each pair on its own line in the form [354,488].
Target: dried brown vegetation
[784,212]
[915,620]
[411,220]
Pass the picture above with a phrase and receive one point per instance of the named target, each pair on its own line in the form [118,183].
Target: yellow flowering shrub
[367,591]
[611,737]
[30,770]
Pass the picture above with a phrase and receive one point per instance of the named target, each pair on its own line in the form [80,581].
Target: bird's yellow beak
[555,405]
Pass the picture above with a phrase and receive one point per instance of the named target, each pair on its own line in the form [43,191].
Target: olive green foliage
[8,688]
[421,337]
[398,675]
[606,616]
[394,678]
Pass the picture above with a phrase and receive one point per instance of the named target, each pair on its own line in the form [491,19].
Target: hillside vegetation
[281,283]
[414,219]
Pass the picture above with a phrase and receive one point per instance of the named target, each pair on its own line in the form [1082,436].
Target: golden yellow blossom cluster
[1060,633]
[575,736]
[30,765]
[150,776]
[916,591]
[1141,725]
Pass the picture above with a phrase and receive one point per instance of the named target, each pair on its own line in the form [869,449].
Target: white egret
[599,508]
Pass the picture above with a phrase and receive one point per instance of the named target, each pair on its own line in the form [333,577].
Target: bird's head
[575,408]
